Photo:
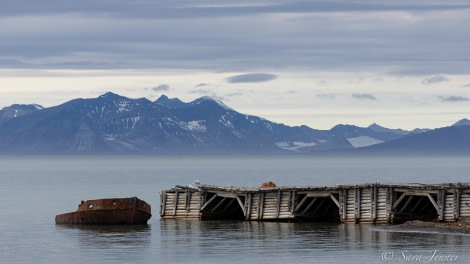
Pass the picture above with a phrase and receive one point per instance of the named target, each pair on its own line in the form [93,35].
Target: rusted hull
[114,211]
[105,217]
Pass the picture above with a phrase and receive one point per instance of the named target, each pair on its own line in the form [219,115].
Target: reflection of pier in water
[364,203]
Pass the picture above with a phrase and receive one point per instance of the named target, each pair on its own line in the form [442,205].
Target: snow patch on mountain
[123,105]
[129,123]
[224,121]
[363,141]
[295,145]
[195,125]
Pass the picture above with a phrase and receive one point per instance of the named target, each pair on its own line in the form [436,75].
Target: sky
[400,64]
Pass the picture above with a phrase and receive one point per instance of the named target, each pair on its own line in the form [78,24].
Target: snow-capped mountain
[113,124]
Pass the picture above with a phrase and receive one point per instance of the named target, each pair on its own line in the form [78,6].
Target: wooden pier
[364,203]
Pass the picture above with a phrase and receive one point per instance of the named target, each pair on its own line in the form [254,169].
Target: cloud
[202,85]
[364,96]
[251,78]
[201,91]
[453,98]
[216,34]
[434,79]
[325,95]
[161,88]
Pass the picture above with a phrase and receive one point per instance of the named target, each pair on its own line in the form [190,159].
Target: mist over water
[34,189]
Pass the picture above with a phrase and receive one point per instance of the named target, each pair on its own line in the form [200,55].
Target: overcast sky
[401,64]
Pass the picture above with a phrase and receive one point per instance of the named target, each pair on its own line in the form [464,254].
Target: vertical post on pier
[389,205]
[373,202]
[456,203]
[441,203]
[175,205]
[357,204]
[342,204]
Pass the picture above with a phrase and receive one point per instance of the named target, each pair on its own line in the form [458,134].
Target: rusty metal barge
[362,203]
[117,211]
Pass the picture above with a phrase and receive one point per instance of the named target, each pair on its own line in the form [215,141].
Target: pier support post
[357,204]
[374,198]
[456,203]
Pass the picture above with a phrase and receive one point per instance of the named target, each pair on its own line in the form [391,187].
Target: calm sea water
[34,189]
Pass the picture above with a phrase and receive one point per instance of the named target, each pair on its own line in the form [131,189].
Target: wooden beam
[261,205]
[357,203]
[228,205]
[309,205]
[441,202]
[241,205]
[319,194]
[334,200]
[433,202]
[456,203]
[420,200]
[208,202]
[297,208]
[188,200]
[374,196]
[343,194]
[406,203]
[319,206]
[175,205]
[395,205]
[163,204]
[219,204]
[278,208]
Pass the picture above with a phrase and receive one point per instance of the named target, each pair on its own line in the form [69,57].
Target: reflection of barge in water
[117,211]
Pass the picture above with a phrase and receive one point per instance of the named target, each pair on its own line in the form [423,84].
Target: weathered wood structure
[363,203]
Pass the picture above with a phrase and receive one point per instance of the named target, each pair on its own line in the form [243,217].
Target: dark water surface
[34,189]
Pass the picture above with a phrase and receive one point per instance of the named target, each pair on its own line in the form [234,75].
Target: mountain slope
[446,140]
[113,124]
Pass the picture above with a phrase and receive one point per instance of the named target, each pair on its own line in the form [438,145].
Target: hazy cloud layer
[403,37]
[325,95]
[364,96]
[252,78]
[453,98]
[434,79]
[161,88]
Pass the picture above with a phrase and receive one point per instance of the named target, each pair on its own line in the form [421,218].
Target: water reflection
[110,242]
[277,242]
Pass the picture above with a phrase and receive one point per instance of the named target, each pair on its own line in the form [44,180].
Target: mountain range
[114,124]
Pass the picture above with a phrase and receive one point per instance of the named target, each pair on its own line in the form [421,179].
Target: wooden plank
[208,202]
[297,208]
[408,201]
[441,203]
[242,206]
[188,199]
[219,204]
[162,204]
[248,201]
[310,205]
[433,202]
[399,200]
[334,200]
[175,205]
[344,204]
[319,194]
[260,205]
[374,203]
[279,198]
[357,203]
[456,203]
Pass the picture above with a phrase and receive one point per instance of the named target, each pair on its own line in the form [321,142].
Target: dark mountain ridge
[113,124]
